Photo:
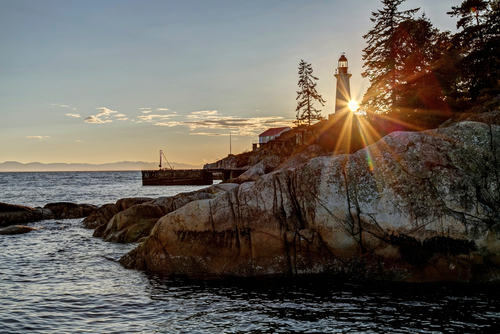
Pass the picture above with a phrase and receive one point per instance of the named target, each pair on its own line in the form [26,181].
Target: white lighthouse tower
[343,94]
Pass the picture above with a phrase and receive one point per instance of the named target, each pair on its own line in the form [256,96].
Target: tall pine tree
[478,43]
[382,57]
[306,112]
[420,86]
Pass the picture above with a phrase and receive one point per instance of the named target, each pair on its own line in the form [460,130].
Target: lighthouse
[343,94]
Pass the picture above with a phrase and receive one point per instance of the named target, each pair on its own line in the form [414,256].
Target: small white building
[272,134]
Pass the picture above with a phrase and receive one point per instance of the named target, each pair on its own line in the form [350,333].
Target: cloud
[60,105]
[170,124]
[146,111]
[144,108]
[74,115]
[208,134]
[119,115]
[149,118]
[204,114]
[162,109]
[37,137]
[103,111]
[211,120]
[96,120]
[122,119]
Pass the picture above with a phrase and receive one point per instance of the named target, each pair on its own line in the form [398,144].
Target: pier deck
[171,177]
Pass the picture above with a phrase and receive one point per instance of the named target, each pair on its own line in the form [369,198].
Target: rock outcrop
[136,221]
[17,214]
[263,167]
[100,217]
[415,206]
[65,210]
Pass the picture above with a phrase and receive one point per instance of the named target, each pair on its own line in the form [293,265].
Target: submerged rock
[415,206]
[16,229]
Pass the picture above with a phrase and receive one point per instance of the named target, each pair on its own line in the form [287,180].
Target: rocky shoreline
[413,207]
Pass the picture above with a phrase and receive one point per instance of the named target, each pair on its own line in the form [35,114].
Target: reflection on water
[61,279]
[322,304]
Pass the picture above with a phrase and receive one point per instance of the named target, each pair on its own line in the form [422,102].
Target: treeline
[420,76]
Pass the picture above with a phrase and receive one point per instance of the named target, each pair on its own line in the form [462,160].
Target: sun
[353,105]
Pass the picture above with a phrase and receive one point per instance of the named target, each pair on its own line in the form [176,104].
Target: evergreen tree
[383,57]
[478,44]
[306,112]
[421,86]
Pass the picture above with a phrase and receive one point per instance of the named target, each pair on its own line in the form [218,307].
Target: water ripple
[63,280]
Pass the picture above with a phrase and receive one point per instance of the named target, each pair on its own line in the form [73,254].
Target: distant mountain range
[13,166]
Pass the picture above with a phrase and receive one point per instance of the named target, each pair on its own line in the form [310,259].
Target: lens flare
[353,105]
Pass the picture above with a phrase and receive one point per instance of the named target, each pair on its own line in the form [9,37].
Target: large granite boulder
[17,214]
[137,221]
[415,206]
[100,217]
[263,167]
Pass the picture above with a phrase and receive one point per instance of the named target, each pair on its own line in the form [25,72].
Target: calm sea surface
[59,279]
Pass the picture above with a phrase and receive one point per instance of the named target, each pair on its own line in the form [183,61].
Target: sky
[118,80]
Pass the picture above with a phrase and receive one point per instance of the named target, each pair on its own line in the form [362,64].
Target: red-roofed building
[271,134]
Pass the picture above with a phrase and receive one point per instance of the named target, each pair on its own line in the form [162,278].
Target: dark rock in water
[100,217]
[16,229]
[16,214]
[65,210]
[415,207]
[88,209]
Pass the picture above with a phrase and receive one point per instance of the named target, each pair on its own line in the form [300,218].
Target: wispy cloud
[146,111]
[62,106]
[37,137]
[74,115]
[96,120]
[151,117]
[162,109]
[102,116]
[208,134]
[103,111]
[170,124]
[210,119]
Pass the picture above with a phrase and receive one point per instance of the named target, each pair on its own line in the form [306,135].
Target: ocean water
[59,279]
